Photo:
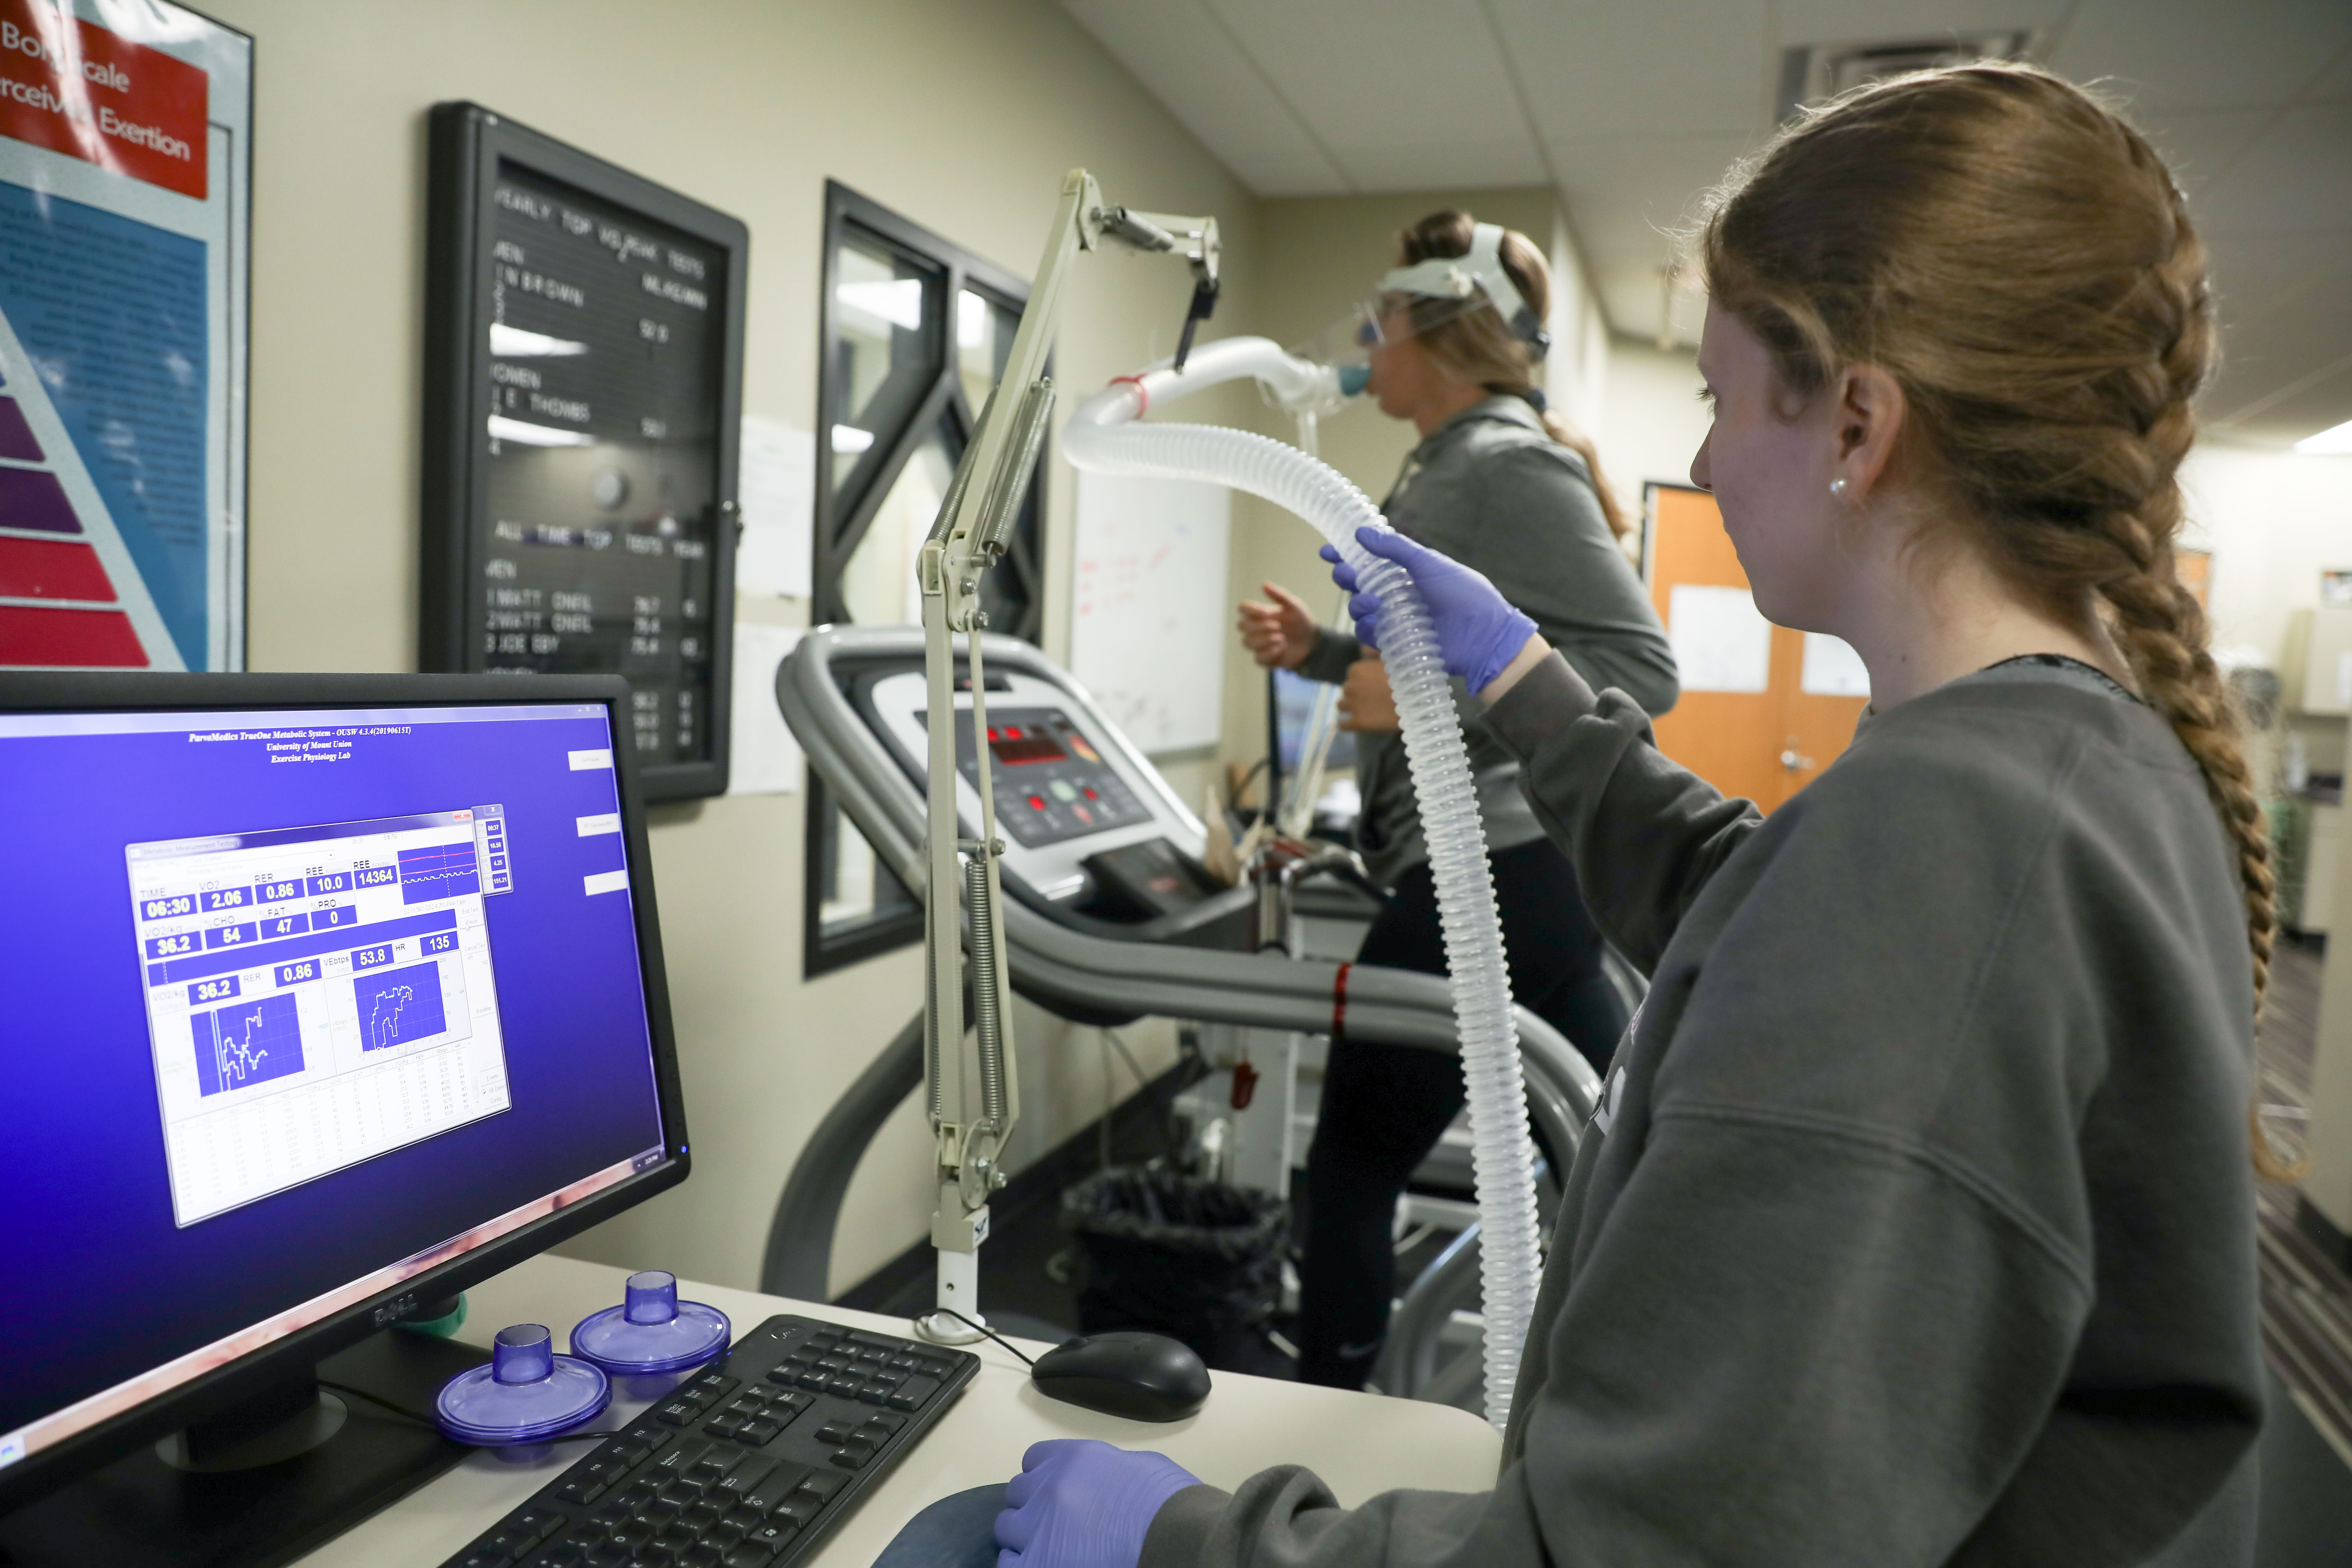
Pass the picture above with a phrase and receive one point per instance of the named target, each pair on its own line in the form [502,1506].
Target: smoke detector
[1811,72]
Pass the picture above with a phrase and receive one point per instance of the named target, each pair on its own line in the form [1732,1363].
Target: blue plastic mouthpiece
[651,1296]
[1353,379]
[651,1331]
[526,1392]
[523,1354]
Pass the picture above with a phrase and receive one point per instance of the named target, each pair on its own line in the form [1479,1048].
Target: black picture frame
[224,1386]
[843,517]
[468,146]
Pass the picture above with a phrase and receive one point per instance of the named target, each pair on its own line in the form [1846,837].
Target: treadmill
[1106,917]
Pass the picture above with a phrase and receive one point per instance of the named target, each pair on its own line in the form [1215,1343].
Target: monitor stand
[275,1476]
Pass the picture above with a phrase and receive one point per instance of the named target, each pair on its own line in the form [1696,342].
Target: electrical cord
[984,1329]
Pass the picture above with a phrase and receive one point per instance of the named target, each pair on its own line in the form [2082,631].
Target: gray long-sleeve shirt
[1491,489]
[1917,1225]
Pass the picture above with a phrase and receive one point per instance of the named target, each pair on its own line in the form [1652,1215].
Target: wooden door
[1757,717]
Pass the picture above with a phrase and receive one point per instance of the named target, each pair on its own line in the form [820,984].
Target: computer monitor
[1290,705]
[326,996]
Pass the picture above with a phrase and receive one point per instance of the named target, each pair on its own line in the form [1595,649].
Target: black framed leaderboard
[582,410]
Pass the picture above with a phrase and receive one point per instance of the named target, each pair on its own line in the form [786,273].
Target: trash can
[1181,1256]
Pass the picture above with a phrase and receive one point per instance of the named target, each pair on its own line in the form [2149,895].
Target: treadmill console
[1068,785]
[1052,785]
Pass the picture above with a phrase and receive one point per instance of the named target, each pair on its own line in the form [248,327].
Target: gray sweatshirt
[1491,489]
[1917,1225]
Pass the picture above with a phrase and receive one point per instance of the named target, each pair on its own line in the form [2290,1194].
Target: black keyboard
[748,1464]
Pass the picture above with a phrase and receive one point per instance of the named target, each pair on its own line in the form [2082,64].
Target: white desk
[1361,1444]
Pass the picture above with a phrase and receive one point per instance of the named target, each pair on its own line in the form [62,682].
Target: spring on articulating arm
[988,1018]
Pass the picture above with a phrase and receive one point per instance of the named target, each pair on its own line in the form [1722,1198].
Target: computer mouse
[1144,1377]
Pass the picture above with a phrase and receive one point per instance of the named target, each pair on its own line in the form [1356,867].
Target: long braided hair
[2018,258]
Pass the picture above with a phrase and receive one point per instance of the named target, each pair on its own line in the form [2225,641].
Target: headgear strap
[1452,277]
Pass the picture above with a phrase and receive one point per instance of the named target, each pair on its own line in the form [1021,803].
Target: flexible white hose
[1102,435]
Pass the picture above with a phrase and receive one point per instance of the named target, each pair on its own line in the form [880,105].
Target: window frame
[842,517]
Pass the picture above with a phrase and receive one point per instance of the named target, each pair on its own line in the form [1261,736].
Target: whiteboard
[1149,626]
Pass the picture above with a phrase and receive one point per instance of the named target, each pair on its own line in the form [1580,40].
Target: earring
[1837,488]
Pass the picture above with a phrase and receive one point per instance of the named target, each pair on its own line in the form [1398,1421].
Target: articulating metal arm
[974,1099]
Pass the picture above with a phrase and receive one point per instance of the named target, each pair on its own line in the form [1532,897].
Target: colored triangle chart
[70,597]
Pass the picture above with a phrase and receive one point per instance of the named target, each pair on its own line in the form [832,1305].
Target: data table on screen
[317,997]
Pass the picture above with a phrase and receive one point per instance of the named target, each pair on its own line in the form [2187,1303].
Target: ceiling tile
[1591,68]
[1186,61]
[1437,165]
[1377,73]
[2297,349]
[2203,54]
[1630,295]
[1633,297]
[1845,21]
[2290,181]
[2335,84]
[2322,400]
[2256,277]
[2199,143]
[1622,192]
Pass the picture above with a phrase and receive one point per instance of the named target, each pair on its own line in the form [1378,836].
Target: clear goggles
[1414,299]
[1345,345]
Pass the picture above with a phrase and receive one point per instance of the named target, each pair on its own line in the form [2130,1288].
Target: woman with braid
[1917,1225]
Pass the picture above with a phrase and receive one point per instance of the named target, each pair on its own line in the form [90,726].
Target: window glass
[984,332]
[884,355]
[855,890]
[877,584]
[914,352]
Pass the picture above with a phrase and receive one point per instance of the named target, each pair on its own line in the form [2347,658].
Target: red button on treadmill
[1036,803]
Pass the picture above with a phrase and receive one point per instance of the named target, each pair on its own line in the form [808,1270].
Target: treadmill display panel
[1052,785]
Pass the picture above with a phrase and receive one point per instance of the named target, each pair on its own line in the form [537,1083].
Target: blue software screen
[298,1003]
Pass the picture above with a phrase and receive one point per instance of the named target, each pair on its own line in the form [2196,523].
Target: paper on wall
[2344,679]
[763,758]
[1721,641]
[1832,669]
[776,487]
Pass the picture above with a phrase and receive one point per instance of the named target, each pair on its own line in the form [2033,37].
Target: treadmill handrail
[1265,990]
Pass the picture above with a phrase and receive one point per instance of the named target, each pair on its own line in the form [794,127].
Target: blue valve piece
[651,1331]
[526,1392]
[1353,378]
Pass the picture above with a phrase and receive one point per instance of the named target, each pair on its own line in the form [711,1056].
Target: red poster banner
[75,87]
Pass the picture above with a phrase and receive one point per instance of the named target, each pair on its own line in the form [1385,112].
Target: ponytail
[1480,346]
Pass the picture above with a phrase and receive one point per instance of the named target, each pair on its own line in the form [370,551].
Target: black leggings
[1384,1106]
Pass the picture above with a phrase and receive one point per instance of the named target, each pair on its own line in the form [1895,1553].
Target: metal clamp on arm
[974,1097]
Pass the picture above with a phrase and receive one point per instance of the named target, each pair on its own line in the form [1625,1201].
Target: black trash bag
[1181,1256]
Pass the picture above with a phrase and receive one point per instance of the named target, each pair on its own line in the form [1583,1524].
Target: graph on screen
[251,1043]
[398,1006]
[439,872]
[336,977]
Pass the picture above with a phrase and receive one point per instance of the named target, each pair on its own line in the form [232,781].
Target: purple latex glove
[1478,631]
[1080,1503]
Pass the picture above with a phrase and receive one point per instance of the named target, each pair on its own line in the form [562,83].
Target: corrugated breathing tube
[1102,436]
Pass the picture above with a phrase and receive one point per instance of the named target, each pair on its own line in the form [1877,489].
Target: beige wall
[1651,420]
[960,114]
